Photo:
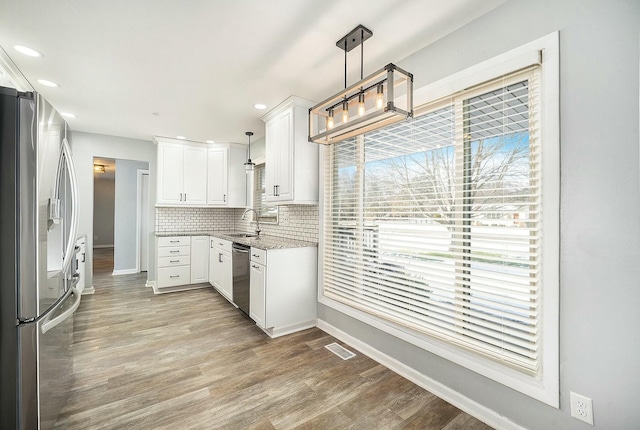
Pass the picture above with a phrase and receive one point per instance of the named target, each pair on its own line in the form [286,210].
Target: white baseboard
[88,290]
[164,290]
[124,272]
[150,284]
[447,394]
[102,246]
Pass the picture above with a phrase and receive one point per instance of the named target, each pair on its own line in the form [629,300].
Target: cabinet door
[271,159]
[195,175]
[278,149]
[199,259]
[213,255]
[217,165]
[226,278]
[170,173]
[257,294]
[222,275]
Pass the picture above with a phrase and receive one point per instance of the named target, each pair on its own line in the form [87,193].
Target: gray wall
[126,214]
[85,146]
[104,186]
[600,203]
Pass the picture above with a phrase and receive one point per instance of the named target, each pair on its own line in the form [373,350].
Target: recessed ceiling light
[48,83]
[67,115]
[260,106]
[180,137]
[210,141]
[27,51]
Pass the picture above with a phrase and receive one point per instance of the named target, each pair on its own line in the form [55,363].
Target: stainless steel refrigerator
[38,269]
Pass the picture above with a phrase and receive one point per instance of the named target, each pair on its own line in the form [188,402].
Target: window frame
[544,388]
[254,195]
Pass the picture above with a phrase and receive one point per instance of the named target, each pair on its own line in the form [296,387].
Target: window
[268,214]
[435,226]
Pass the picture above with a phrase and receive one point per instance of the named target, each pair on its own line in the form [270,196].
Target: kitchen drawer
[172,276]
[174,241]
[259,255]
[177,260]
[172,251]
[222,244]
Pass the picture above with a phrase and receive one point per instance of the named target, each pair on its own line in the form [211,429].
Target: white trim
[475,409]
[124,272]
[13,73]
[88,291]
[187,287]
[140,173]
[150,284]
[547,389]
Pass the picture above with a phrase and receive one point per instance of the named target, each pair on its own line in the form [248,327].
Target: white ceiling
[202,64]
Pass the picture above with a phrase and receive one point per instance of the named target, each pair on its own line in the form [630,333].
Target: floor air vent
[341,352]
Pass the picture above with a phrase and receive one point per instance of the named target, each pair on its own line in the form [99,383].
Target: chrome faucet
[257,222]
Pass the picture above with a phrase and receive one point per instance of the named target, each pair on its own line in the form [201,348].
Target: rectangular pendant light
[380,99]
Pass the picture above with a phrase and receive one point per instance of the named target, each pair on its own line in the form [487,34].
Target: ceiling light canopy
[48,83]
[260,106]
[382,98]
[27,51]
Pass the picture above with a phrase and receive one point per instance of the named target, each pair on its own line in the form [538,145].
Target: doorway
[143,220]
[120,216]
[104,185]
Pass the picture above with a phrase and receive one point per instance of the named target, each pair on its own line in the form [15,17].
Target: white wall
[126,215]
[104,186]
[600,203]
[85,146]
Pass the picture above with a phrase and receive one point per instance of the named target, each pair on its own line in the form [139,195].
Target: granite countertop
[263,242]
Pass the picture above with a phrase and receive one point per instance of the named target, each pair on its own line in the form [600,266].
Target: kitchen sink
[242,235]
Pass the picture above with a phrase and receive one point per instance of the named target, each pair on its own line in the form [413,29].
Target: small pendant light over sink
[249,164]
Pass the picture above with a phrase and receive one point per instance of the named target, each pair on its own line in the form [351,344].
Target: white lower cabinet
[283,287]
[221,267]
[258,280]
[182,260]
[199,259]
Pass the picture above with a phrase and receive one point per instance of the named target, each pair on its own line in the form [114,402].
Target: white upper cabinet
[200,175]
[217,176]
[291,169]
[226,178]
[195,175]
[170,181]
[182,174]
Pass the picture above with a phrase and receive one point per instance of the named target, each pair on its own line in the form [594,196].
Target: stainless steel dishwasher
[240,261]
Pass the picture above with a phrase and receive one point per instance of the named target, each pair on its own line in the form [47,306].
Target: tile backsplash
[298,222]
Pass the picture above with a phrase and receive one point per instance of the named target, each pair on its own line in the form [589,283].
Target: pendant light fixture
[383,98]
[249,164]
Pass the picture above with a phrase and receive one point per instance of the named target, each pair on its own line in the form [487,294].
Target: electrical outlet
[581,408]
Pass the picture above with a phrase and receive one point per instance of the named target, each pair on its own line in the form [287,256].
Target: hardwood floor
[190,360]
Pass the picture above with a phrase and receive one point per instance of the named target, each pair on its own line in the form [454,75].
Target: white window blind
[435,223]
[268,214]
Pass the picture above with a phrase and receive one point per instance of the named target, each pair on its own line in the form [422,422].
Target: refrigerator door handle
[50,323]
[71,242]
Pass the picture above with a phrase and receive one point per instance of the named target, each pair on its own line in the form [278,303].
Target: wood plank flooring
[190,360]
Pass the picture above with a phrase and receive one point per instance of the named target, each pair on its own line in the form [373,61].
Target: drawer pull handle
[255,255]
[174,241]
[174,261]
[174,276]
[254,266]
[174,252]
